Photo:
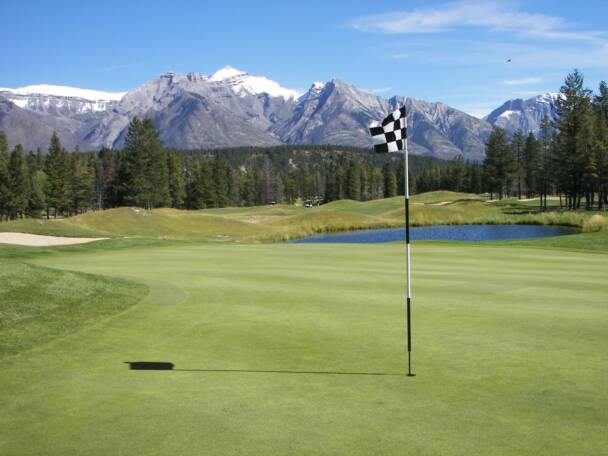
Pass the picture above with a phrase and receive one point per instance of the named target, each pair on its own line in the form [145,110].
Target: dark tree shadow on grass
[163,365]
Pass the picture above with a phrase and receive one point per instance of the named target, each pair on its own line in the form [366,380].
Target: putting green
[299,349]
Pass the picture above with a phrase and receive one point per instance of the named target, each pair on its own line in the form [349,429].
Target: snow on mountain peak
[243,84]
[64,91]
[226,73]
[317,86]
[550,97]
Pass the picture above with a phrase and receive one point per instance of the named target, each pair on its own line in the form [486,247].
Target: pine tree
[545,161]
[177,186]
[266,182]
[518,144]
[531,157]
[194,188]
[82,183]
[586,144]
[601,101]
[601,144]
[39,190]
[157,173]
[500,164]
[209,193]
[4,177]
[57,171]
[572,140]
[19,183]
[145,169]
[353,181]
[390,180]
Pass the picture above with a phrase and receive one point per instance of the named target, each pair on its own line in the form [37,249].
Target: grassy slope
[509,352]
[265,223]
[39,304]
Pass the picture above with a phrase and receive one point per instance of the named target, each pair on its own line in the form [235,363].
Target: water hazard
[472,233]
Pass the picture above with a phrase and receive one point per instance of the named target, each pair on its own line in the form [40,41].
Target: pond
[472,233]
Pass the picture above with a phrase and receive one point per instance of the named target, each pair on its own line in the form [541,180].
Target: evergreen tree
[4,177]
[601,145]
[194,189]
[353,181]
[146,175]
[57,171]
[19,183]
[82,183]
[390,180]
[500,164]
[266,190]
[39,190]
[177,185]
[209,193]
[601,102]
[572,141]
[518,143]
[290,188]
[531,154]
[545,161]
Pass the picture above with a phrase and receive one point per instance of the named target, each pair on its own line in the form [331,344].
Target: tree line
[569,157]
[145,174]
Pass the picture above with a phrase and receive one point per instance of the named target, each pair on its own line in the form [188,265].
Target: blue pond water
[446,233]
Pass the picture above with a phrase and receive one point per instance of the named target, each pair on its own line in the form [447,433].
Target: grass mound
[38,304]
[272,223]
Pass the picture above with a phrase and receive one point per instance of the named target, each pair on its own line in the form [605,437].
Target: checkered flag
[390,134]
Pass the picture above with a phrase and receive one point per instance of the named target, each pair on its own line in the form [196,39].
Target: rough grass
[274,223]
[38,304]
[299,349]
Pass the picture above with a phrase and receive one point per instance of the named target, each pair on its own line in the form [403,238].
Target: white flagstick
[407,260]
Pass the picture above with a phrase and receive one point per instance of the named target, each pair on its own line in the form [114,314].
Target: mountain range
[233,108]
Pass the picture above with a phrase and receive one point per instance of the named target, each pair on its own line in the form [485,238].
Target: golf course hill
[271,223]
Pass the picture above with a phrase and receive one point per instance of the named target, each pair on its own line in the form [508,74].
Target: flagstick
[407,261]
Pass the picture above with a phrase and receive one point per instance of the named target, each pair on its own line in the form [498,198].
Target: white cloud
[524,81]
[497,16]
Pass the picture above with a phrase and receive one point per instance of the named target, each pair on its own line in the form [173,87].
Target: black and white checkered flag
[389,135]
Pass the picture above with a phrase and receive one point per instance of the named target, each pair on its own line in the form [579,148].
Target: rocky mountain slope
[233,108]
[525,114]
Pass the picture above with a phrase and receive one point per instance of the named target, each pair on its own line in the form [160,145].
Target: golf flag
[390,134]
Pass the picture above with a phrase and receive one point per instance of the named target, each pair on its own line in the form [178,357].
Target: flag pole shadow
[168,366]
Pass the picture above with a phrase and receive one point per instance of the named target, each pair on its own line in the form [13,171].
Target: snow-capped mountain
[244,84]
[525,114]
[56,99]
[233,108]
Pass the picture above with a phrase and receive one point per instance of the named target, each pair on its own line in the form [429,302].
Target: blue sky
[455,52]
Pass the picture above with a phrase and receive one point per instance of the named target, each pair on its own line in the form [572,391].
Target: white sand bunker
[37,240]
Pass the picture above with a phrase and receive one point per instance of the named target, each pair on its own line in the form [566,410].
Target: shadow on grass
[161,365]
[150,365]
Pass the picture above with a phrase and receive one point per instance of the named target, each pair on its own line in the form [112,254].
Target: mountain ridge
[233,108]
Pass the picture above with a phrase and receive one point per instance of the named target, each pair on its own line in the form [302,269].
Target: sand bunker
[42,241]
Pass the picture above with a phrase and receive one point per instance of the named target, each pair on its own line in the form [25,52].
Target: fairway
[300,349]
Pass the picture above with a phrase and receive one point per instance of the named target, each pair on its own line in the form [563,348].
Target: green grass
[442,196]
[39,304]
[276,343]
[272,223]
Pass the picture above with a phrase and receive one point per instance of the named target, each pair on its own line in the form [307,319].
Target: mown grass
[299,349]
[38,304]
[275,223]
